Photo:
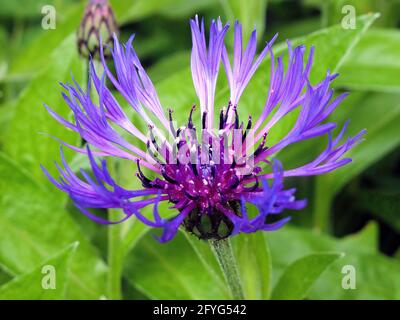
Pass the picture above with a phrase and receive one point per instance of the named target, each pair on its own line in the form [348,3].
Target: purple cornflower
[209,180]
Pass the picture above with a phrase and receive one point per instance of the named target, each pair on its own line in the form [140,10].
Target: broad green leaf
[254,263]
[374,272]
[301,274]
[37,54]
[34,226]
[334,44]
[367,239]
[373,64]
[29,286]
[336,11]
[375,277]
[170,271]
[5,275]
[26,141]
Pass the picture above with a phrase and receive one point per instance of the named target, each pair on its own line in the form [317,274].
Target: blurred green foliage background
[355,211]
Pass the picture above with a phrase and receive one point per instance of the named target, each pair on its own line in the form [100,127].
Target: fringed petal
[205,62]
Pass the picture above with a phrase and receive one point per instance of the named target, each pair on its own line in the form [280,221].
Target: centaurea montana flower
[210,182]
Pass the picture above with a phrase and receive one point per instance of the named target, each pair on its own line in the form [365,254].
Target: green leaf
[34,226]
[374,275]
[301,274]
[29,286]
[374,272]
[170,271]
[367,238]
[334,44]
[25,141]
[332,10]
[36,55]
[373,64]
[254,263]
[5,276]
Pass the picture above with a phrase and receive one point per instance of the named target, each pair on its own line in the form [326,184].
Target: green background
[353,216]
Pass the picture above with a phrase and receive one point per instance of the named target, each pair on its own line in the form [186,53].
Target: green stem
[326,9]
[322,205]
[225,256]
[115,253]
[114,257]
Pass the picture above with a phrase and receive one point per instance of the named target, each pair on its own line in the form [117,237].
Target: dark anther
[233,165]
[146,182]
[171,123]
[167,177]
[190,196]
[261,146]
[236,119]
[249,124]
[153,139]
[180,144]
[203,120]
[221,120]
[190,121]
[254,187]
[227,112]
[194,168]
[213,171]
[236,183]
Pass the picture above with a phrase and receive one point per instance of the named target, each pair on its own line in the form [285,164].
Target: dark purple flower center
[211,175]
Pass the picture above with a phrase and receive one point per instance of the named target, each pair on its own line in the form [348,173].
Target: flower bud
[98,24]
